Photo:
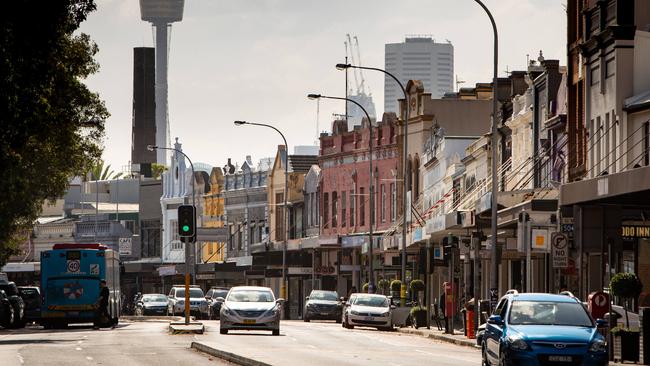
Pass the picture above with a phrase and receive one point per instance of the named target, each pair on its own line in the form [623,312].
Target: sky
[256,60]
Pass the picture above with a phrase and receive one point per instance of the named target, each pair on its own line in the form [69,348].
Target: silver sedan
[250,308]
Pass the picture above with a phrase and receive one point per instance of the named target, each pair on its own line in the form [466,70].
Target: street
[148,343]
[131,343]
[327,343]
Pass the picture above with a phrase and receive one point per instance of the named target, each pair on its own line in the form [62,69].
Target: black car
[215,297]
[32,298]
[6,311]
[16,302]
[323,305]
[151,304]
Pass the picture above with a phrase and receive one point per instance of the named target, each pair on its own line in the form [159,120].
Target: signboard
[494,298]
[73,266]
[299,270]
[167,271]
[325,270]
[125,245]
[635,231]
[539,240]
[560,250]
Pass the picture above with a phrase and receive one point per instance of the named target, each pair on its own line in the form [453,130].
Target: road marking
[311,345]
[78,348]
[395,364]
[425,352]
[89,358]
[20,358]
[293,339]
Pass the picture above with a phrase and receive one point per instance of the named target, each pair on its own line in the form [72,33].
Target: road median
[226,356]
[458,340]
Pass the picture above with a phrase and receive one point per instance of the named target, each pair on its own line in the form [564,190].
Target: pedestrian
[442,307]
[101,310]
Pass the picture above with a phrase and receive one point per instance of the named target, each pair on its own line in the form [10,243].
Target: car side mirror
[495,319]
[601,323]
[393,307]
[307,298]
[220,299]
[208,298]
[279,300]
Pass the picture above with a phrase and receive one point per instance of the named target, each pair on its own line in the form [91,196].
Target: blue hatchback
[531,329]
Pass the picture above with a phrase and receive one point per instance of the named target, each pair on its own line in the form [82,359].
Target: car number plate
[369,318]
[560,359]
[249,321]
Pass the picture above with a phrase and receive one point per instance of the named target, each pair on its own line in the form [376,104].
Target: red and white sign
[73,266]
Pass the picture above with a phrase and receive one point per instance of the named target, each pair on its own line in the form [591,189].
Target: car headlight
[180,302]
[517,343]
[226,310]
[273,312]
[385,314]
[598,345]
[354,312]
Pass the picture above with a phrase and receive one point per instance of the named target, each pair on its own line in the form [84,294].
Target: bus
[70,276]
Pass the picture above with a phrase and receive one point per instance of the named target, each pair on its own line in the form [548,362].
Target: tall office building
[143,130]
[418,58]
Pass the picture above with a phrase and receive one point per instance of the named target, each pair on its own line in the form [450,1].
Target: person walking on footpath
[101,312]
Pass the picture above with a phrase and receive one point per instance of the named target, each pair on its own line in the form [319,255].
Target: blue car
[531,329]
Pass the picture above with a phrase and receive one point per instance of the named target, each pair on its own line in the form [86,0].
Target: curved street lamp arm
[276,130]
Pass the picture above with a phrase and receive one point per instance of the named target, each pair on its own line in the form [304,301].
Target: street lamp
[371,281]
[283,288]
[493,228]
[191,241]
[405,162]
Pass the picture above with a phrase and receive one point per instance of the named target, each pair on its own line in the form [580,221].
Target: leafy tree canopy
[51,124]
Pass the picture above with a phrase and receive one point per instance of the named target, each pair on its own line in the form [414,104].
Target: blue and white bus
[70,276]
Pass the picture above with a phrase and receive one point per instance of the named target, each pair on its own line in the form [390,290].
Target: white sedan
[250,308]
[368,310]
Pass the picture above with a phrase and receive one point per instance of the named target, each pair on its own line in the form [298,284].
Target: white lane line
[89,358]
[293,339]
[20,358]
[311,346]
[425,352]
[78,348]
[394,364]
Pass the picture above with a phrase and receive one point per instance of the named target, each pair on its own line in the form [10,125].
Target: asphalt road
[131,343]
[328,344]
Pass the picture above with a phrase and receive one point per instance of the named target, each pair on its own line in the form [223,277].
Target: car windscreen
[220,293]
[194,293]
[549,313]
[375,301]
[157,298]
[251,296]
[324,295]
[28,292]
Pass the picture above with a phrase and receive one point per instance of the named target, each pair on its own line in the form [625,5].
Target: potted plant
[626,286]
[396,288]
[419,316]
[417,287]
[383,285]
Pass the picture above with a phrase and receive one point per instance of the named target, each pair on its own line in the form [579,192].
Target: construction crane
[362,84]
[355,71]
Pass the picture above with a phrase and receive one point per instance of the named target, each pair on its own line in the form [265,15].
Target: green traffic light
[186,228]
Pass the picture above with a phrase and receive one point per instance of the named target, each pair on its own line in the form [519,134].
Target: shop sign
[299,270]
[167,271]
[325,270]
[635,231]
[206,276]
[560,250]
[125,245]
[540,240]
[353,241]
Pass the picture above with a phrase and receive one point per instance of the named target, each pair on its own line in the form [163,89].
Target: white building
[418,58]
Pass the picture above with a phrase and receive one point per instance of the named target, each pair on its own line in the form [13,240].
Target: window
[210,248]
[352,201]
[231,237]
[343,208]
[326,205]
[383,203]
[335,208]
[393,200]
[251,233]
[240,236]
[362,207]
[610,68]
[595,75]
[279,217]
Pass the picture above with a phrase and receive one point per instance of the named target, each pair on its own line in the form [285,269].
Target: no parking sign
[560,250]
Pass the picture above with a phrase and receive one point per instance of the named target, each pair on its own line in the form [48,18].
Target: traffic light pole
[189,241]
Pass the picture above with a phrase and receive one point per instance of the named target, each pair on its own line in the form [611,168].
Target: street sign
[560,250]
[540,240]
[494,298]
[125,246]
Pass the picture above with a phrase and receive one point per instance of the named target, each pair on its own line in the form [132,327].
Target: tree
[626,286]
[51,123]
[97,171]
[157,170]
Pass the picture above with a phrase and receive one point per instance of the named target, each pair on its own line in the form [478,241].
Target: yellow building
[213,216]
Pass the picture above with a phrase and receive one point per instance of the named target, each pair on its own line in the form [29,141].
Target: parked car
[324,305]
[215,297]
[6,310]
[17,303]
[536,329]
[368,310]
[151,304]
[345,304]
[250,308]
[31,296]
[198,303]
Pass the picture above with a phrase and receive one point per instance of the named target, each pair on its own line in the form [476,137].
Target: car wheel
[276,332]
[502,359]
[139,312]
[338,320]
[305,319]
[223,331]
[9,320]
[484,360]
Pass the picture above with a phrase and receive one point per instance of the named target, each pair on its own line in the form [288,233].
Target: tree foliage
[97,171]
[51,124]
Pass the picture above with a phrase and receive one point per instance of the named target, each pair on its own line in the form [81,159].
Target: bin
[469,324]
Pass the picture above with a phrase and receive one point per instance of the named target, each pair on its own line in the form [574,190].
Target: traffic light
[186,221]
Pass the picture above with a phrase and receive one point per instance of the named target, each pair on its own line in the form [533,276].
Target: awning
[22,267]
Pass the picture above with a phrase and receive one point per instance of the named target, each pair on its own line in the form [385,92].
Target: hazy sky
[257,60]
